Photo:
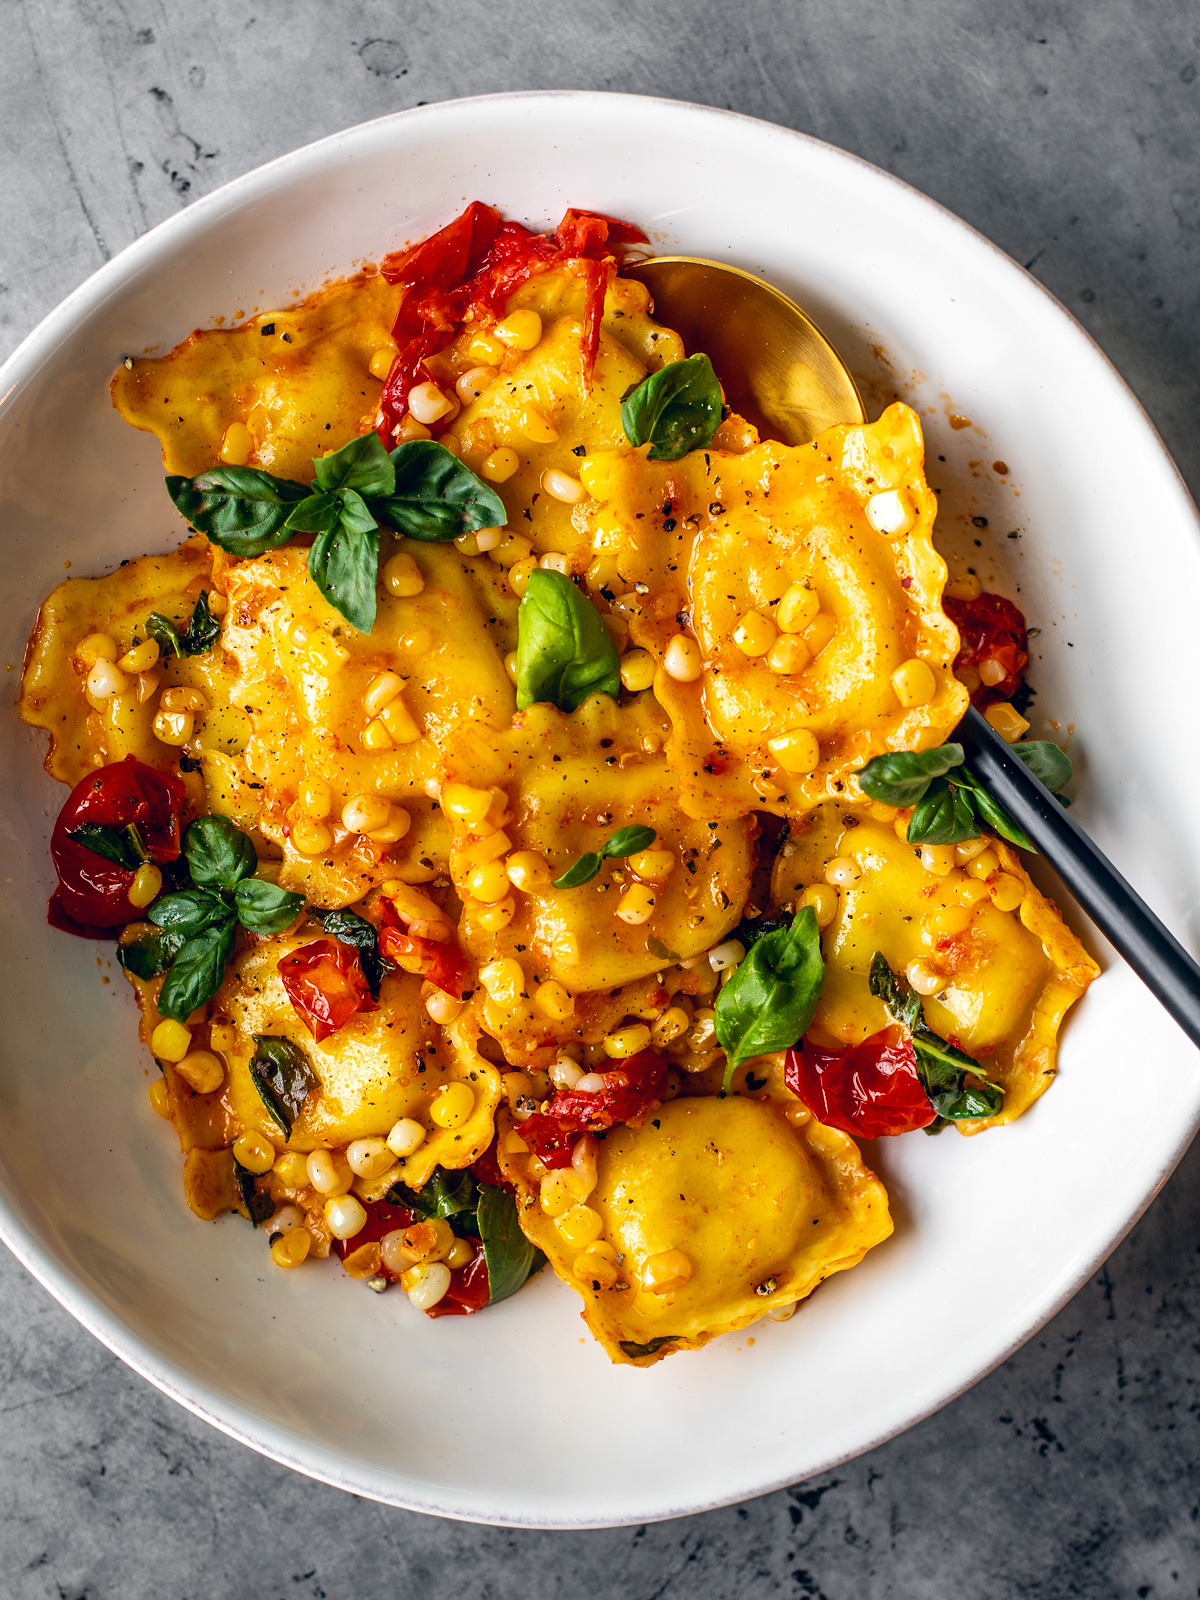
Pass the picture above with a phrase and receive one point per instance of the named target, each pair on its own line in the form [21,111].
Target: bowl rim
[38,347]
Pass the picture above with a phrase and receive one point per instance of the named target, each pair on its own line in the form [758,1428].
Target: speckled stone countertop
[1069,134]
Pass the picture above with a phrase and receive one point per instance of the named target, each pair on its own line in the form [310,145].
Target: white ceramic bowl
[516,1416]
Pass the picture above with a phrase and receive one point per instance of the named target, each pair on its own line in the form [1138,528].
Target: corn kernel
[1007,721]
[1007,892]
[105,680]
[170,1041]
[497,916]
[473,382]
[654,866]
[398,721]
[561,486]
[924,979]
[597,1266]
[254,1153]
[947,922]
[672,1024]
[637,671]
[160,1098]
[970,891]
[488,882]
[682,659]
[510,666]
[891,512]
[636,905]
[315,799]
[441,1007]
[625,1042]
[381,691]
[376,737]
[409,428]
[500,465]
[237,445]
[184,698]
[914,683]
[452,1105]
[366,812]
[329,1172]
[406,1137]
[504,980]
[797,609]
[146,885]
[345,1216]
[842,872]
[140,658]
[173,727]
[788,655]
[291,1248]
[984,864]
[426,1284]
[484,347]
[967,587]
[528,871]
[511,549]
[488,847]
[668,1270]
[558,1192]
[517,1086]
[819,632]
[459,1254]
[822,897]
[427,403]
[579,1226]
[520,330]
[402,577]
[938,859]
[796,752]
[727,956]
[754,634]
[381,361]
[147,686]
[96,647]
[368,1158]
[992,671]
[520,573]
[291,1168]
[310,837]
[881,813]
[553,1000]
[468,806]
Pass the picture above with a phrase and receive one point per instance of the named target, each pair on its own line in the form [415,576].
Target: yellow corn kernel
[636,905]
[345,1216]
[914,683]
[938,859]
[363,813]
[202,1071]
[579,1226]
[597,1266]
[624,1042]
[146,885]
[402,577]
[682,659]
[381,361]
[553,1000]
[514,548]
[459,1253]
[500,465]
[561,486]
[1007,721]
[754,634]
[140,658]
[616,627]
[432,1239]
[484,347]
[452,1105]
[672,1024]
[468,806]
[819,632]
[488,847]
[369,1158]
[147,686]
[170,1041]
[984,864]
[947,922]
[105,680]
[881,813]
[504,980]
[891,512]
[559,1191]
[842,872]
[398,721]
[471,384]
[822,897]
[381,691]
[668,1270]
[310,837]
[291,1168]
[557,561]
[329,1172]
[528,870]
[637,671]
[496,916]
[364,1262]
[291,1249]
[173,727]
[797,752]
[376,737]
[788,655]
[797,609]
[315,799]
[184,698]
[970,891]
[406,1137]
[924,978]
[427,403]
[967,587]
[160,1099]
[517,1086]
[520,330]
[1007,892]
[96,647]
[653,866]
[254,1152]
[597,475]
[409,428]
[426,1284]
[442,1007]
[510,665]
[488,882]
[237,445]
[520,573]
[416,643]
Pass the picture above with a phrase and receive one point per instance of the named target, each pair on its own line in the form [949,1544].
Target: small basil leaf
[265,907]
[283,1076]
[898,995]
[122,846]
[771,997]
[219,855]
[362,936]
[190,911]
[972,1100]
[196,972]
[954,1081]
[259,1205]
[992,813]
[168,636]
[150,955]
[344,566]
[943,815]
[564,652]
[435,497]
[580,872]
[674,410]
[363,465]
[650,1348]
[203,628]
[628,841]
[1046,761]
[443,1194]
[320,513]
[239,508]
[901,777]
[657,948]
[509,1255]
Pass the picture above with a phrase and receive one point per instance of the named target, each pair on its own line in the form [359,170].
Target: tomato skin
[992,626]
[326,984]
[469,1289]
[630,1090]
[92,893]
[443,965]
[870,1090]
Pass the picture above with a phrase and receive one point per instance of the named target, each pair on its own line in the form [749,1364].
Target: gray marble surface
[1070,134]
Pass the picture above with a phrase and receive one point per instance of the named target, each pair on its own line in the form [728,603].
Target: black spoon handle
[1121,914]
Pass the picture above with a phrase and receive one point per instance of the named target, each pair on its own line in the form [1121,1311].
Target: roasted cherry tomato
[443,965]
[990,628]
[326,984]
[628,1094]
[93,893]
[469,1289]
[870,1090]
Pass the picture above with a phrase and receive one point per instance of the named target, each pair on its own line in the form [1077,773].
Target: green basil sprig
[957,1086]
[480,1211]
[564,651]
[198,637]
[362,936]
[625,842]
[198,925]
[770,999]
[258,1203]
[674,410]
[283,1076]
[651,1348]
[949,802]
[419,488]
[122,846]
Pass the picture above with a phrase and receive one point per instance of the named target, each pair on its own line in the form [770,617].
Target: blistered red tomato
[93,893]
[469,1289]
[326,984]
[630,1090]
[443,965]
[990,628]
[870,1090]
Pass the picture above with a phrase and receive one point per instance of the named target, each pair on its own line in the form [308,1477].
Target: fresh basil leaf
[196,972]
[168,636]
[239,508]
[901,777]
[198,637]
[972,1100]
[258,1203]
[190,911]
[122,846]
[362,465]
[219,855]
[1046,761]
[443,1194]
[674,410]
[580,872]
[435,497]
[650,1348]
[564,652]
[943,815]
[362,936]
[902,1001]
[265,907]
[509,1255]
[320,513]
[771,997]
[344,565]
[956,1084]
[992,813]
[150,955]
[283,1076]
[629,841]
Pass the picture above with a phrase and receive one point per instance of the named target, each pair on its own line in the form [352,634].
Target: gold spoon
[780,372]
